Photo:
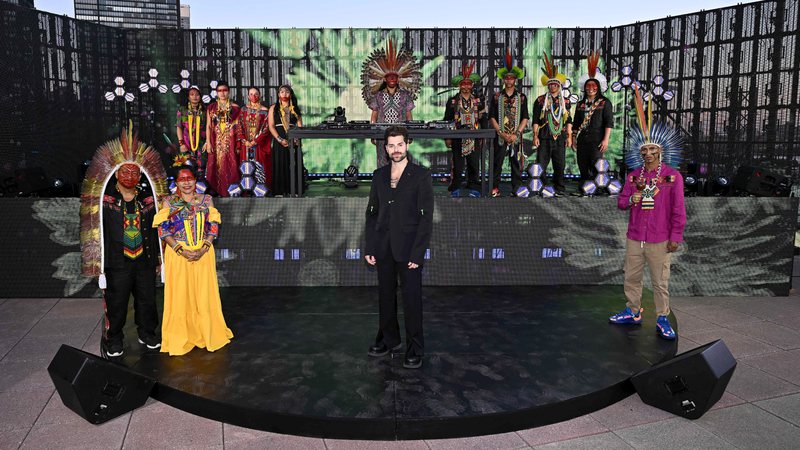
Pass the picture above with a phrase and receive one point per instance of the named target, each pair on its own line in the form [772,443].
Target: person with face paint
[508,115]
[654,196]
[256,143]
[552,126]
[132,260]
[191,131]
[398,233]
[595,119]
[391,81]
[188,223]
[284,115]
[466,110]
[224,134]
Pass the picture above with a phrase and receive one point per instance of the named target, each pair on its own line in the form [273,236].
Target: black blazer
[113,218]
[400,221]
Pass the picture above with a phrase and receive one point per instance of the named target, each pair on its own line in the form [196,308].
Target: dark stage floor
[497,359]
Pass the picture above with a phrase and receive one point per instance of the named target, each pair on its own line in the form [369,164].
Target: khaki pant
[657,258]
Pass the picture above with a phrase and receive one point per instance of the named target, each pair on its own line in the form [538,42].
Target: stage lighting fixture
[721,186]
[153,83]
[691,184]
[129,97]
[260,190]
[176,88]
[535,186]
[153,73]
[119,81]
[213,85]
[626,70]
[658,91]
[567,83]
[247,168]
[535,170]
[626,81]
[163,88]
[184,74]
[173,187]
[120,91]
[110,96]
[234,190]
[206,99]
[589,188]
[614,187]
[602,165]
[566,92]
[351,176]
[601,180]
[523,192]
[548,192]
[185,84]
[646,96]
[247,183]
[616,86]
[200,187]
[668,95]
[658,80]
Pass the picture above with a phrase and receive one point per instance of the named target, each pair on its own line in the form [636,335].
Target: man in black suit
[398,232]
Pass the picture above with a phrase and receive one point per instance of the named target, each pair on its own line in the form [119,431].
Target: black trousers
[555,150]
[516,171]
[473,163]
[588,154]
[137,278]
[411,285]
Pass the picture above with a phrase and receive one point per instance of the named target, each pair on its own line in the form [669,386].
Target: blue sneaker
[664,329]
[474,193]
[456,193]
[627,316]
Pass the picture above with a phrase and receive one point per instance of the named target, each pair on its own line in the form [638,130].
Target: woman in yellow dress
[189,223]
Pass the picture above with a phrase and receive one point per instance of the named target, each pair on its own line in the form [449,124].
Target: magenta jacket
[668,219]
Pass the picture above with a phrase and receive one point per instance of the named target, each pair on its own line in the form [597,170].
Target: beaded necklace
[651,189]
[194,123]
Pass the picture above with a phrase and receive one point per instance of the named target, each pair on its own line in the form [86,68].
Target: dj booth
[376,132]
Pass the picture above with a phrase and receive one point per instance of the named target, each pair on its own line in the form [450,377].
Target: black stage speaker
[761,182]
[689,384]
[96,389]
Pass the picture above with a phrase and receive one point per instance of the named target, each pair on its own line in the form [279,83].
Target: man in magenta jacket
[654,196]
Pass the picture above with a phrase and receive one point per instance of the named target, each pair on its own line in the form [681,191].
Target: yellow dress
[192,307]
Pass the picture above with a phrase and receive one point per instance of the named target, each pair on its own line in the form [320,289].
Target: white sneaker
[151,347]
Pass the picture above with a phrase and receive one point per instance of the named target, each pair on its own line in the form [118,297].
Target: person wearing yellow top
[189,223]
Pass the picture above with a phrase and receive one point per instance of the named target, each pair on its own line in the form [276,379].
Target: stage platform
[497,359]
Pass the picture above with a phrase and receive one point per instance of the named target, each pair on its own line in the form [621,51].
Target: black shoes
[412,362]
[152,343]
[110,349]
[382,350]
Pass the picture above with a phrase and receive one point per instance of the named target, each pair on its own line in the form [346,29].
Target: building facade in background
[129,13]
[185,17]
[25,3]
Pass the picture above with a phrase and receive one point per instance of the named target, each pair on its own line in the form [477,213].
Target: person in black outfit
[552,132]
[132,259]
[398,232]
[508,115]
[594,119]
[467,111]
[284,115]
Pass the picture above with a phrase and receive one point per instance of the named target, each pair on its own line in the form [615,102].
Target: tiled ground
[761,408]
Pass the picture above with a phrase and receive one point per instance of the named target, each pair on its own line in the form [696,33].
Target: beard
[397,157]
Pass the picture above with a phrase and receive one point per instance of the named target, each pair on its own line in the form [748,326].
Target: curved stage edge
[498,359]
